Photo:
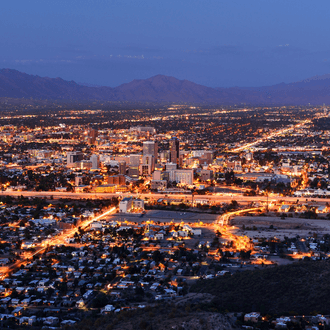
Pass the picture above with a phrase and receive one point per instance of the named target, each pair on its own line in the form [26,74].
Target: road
[225,218]
[240,242]
[270,136]
[219,198]
[70,233]
[56,240]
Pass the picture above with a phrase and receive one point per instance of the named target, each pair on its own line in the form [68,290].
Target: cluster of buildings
[139,262]
[133,262]
[139,158]
[125,260]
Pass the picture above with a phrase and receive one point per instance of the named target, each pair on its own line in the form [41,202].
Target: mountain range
[160,88]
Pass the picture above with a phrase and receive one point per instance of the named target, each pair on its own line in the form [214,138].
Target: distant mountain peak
[322,77]
[162,88]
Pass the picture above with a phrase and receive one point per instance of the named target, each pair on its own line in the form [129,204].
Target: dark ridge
[160,88]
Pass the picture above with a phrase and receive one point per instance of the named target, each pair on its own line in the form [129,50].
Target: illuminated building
[174,150]
[122,167]
[73,157]
[92,135]
[134,166]
[150,148]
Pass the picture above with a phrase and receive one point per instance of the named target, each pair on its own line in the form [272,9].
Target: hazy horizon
[216,44]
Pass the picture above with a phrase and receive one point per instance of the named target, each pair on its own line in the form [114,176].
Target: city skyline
[124,211]
[140,190]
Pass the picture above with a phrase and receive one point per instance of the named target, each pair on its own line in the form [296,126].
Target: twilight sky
[217,43]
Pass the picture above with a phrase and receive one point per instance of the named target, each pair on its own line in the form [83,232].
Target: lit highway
[224,220]
[215,198]
[270,136]
[56,240]
[222,224]
[70,233]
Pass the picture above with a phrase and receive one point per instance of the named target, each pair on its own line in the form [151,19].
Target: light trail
[227,216]
[270,136]
[53,241]
[225,197]
[60,239]
[239,242]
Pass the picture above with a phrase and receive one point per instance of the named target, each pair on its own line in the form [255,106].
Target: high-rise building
[150,148]
[73,157]
[207,157]
[95,159]
[92,135]
[148,159]
[134,166]
[133,172]
[171,166]
[122,167]
[134,160]
[148,165]
[156,175]
[174,150]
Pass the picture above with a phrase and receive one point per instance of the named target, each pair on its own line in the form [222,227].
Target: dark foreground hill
[300,289]
[162,316]
[15,84]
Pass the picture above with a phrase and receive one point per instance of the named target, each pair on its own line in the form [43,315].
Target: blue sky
[217,43]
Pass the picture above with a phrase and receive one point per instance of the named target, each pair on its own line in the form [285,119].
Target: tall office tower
[134,160]
[134,166]
[95,159]
[73,157]
[148,164]
[150,148]
[174,150]
[122,168]
[92,135]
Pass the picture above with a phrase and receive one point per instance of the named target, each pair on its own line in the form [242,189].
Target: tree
[215,241]
[229,177]
[157,256]
[245,255]
[100,301]
[139,291]
[233,205]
